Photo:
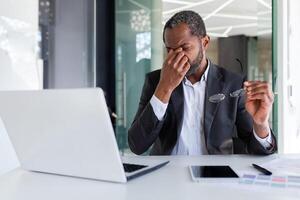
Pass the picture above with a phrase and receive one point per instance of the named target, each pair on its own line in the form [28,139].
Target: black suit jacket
[228,127]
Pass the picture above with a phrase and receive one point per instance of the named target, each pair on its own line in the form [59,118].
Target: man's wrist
[262,130]
[265,142]
[163,93]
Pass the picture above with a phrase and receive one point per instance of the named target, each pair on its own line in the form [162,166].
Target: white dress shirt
[191,139]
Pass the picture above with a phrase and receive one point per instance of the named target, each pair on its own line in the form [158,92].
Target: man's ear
[206,41]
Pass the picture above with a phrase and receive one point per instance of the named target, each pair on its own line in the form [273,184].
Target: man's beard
[195,64]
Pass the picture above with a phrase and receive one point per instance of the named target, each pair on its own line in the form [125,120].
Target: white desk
[168,183]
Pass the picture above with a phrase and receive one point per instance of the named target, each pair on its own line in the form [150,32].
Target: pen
[261,169]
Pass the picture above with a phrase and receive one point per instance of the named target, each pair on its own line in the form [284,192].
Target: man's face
[180,36]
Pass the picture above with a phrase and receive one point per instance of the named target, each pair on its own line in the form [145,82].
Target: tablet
[212,172]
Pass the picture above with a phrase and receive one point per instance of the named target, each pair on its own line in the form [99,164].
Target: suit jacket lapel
[177,102]
[214,85]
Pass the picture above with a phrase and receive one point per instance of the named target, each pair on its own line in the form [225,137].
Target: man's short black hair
[191,18]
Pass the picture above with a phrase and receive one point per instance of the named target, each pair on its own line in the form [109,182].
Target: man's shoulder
[154,76]
[227,74]
[155,73]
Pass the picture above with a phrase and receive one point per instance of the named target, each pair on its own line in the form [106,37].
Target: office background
[113,44]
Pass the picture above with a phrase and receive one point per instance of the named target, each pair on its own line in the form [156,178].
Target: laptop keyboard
[132,167]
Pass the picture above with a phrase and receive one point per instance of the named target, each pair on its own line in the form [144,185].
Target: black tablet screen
[213,172]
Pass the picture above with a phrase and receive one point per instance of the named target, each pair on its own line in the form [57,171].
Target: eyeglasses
[216,98]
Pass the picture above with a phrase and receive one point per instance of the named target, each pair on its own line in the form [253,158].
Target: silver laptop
[66,132]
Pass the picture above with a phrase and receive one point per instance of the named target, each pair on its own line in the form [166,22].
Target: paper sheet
[284,166]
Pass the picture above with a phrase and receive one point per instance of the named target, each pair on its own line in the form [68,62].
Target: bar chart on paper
[271,181]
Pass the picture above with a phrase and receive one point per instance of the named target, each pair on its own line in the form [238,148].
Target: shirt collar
[204,77]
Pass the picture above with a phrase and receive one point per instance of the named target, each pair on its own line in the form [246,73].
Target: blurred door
[139,50]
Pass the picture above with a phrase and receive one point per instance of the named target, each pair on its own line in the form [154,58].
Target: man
[175,116]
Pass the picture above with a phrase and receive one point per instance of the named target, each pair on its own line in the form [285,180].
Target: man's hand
[259,100]
[173,71]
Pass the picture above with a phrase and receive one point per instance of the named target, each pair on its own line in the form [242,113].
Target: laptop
[67,132]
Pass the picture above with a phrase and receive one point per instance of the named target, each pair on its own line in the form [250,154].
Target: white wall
[292,139]
[288,76]
[20,67]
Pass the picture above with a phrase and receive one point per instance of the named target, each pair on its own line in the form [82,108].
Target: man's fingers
[182,62]
[257,89]
[250,83]
[259,96]
[255,85]
[185,68]
[170,58]
[177,59]
[172,53]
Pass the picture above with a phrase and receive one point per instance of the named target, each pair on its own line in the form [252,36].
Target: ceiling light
[178,2]
[218,9]
[265,12]
[139,5]
[187,6]
[140,21]
[262,2]
[211,34]
[234,26]
[235,16]
[227,30]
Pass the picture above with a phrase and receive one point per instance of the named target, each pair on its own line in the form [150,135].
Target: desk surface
[170,182]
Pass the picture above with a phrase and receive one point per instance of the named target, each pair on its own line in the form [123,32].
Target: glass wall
[265,63]
[20,64]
